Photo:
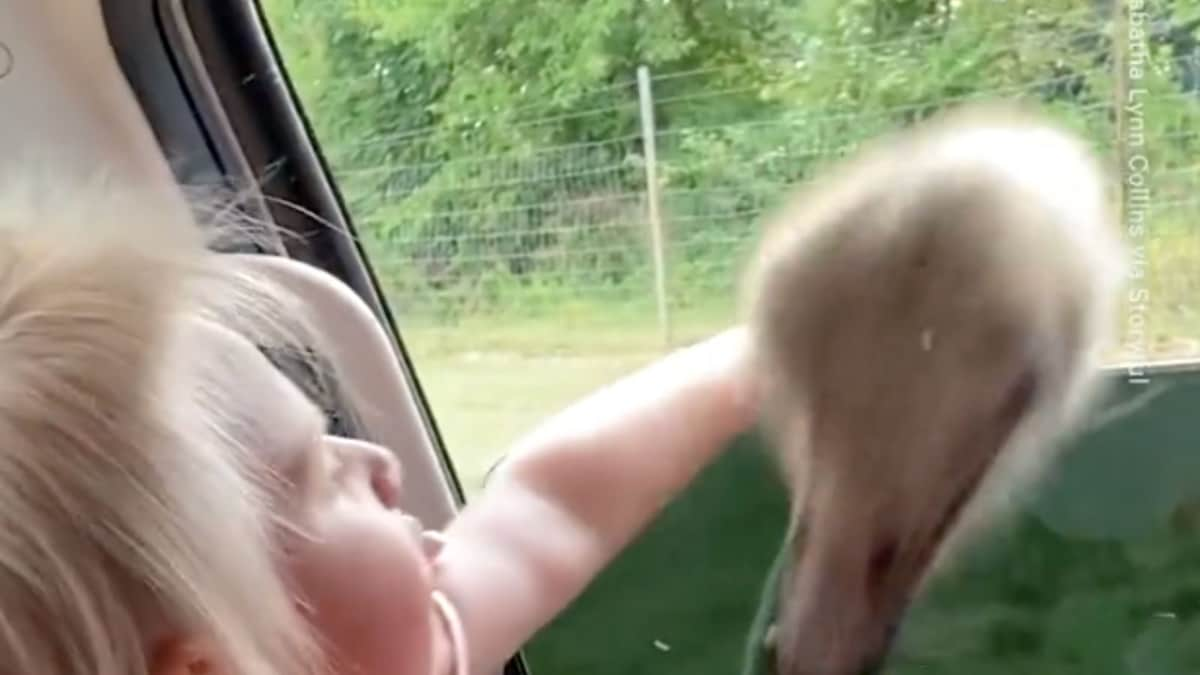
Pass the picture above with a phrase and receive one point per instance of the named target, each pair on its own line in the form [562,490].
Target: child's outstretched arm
[581,487]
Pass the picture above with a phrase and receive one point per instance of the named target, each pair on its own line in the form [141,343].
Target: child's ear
[186,655]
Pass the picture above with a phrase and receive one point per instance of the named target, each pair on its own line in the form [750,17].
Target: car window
[554,196]
[554,193]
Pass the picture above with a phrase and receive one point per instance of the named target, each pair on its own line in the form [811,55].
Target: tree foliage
[463,132]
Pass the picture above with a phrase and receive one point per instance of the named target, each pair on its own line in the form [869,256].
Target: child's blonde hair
[129,500]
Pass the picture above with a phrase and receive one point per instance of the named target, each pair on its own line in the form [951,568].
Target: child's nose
[378,467]
[386,475]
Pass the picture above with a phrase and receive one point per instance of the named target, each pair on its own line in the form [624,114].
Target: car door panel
[1114,532]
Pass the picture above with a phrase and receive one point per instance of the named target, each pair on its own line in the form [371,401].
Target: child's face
[360,564]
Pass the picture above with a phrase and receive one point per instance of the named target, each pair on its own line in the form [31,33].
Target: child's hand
[584,484]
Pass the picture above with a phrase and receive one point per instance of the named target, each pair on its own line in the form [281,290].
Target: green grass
[580,326]
[484,401]
[493,376]
[491,379]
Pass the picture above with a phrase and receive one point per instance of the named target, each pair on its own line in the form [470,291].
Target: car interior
[187,92]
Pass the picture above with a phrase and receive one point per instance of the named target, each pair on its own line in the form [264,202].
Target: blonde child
[171,504]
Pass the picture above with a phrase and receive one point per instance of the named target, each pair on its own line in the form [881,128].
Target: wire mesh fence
[534,231]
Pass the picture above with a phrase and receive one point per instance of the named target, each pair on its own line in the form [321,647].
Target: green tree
[493,146]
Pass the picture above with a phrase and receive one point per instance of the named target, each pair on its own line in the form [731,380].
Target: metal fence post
[658,243]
